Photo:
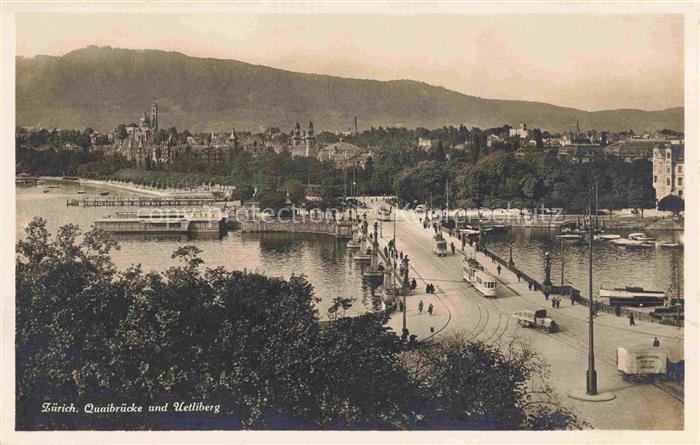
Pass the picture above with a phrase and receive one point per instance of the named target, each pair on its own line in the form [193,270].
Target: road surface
[458,307]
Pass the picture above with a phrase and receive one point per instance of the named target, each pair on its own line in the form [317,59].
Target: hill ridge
[101,87]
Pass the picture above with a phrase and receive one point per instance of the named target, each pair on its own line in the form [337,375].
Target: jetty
[169,223]
[131,201]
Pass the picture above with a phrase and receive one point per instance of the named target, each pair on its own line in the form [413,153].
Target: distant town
[148,144]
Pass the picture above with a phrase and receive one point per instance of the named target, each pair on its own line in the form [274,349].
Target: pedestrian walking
[414,284]
[618,310]
[401,254]
[400,306]
[554,303]
[656,343]
[452,246]
[529,284]
[631,318]
[573,300]
[427,288]
[499,269]
[430,309]
[546,294]
[420,307]
[464,242]
[558,302]
[517,274]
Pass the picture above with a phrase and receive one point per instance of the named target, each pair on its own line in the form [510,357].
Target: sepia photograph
[320,219]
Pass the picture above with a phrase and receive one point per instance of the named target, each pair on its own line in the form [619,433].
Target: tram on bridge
[474,273]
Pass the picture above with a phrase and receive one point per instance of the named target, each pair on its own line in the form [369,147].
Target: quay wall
[339,230]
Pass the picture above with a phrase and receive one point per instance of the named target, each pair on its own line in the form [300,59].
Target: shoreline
[131,187]
[121,186]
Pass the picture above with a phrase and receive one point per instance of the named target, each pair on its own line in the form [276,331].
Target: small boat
[104,193]
[607,237]
[631,243]
[81,192]
[632,296]
[668,245]
[637,236]
[46,191]
[569,236]
[498,228]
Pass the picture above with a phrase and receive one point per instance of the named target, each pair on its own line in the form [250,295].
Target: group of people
[556,301]
[420,308]
[429,288]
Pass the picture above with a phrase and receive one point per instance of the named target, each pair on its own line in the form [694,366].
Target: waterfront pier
[339,229]
[131,201]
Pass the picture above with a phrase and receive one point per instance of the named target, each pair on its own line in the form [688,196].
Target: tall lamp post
[405,285]
[591,375]
[591,393]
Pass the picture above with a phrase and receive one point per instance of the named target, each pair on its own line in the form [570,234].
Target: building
[632,149]
[344,155]
[139,145]
[426,143]
[520,132]
[579,153]
[669,178]
[303,142]
[493,139]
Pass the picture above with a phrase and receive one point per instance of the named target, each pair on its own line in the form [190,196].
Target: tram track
[481,319]
[603,354]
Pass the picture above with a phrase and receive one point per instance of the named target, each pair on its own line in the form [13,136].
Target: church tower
[296,135]
[233,139]
[154,116]
[310,139]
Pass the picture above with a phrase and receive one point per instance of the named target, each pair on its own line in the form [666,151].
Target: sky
[585,61]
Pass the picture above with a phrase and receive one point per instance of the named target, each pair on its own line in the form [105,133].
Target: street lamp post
[591,375]
[405,291]
[562,264]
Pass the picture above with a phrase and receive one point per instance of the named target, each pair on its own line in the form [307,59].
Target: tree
[251,344]
[121,132]
[640,198]
[437,153]
[480,386]
[672,203]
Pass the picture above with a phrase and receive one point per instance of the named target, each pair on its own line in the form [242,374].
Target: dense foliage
[672,203]
[87,333]
[479,176]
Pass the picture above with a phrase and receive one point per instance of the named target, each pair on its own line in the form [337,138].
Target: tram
[474,273]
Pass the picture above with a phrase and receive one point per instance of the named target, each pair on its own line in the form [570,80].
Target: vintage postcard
[383,222]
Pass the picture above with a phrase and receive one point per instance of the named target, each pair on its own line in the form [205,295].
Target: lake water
[322,258]
[613,266]
[326,264]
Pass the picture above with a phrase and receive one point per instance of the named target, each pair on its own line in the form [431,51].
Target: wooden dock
[139,202]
